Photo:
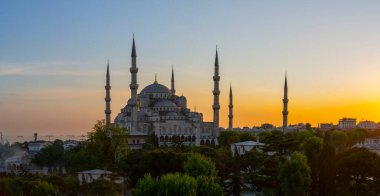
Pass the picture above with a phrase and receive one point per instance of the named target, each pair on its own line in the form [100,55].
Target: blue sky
[53,56]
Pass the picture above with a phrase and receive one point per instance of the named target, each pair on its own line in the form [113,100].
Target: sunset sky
[53,57]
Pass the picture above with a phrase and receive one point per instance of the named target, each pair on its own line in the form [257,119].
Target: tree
[157,162]
[339,139]
[294,176]
[105,148]
[177,185]
[327,169]
[29,185]
[228,137]
[313,147]
[51,156]
[198,165]
[251,164]
[308,126]
[208,187]
[274,140]
[246,136]
[357,172]
[145,186]
[204,171]
[102,187]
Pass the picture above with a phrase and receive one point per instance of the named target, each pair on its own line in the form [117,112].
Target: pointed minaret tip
[230,89]
[216,57]
[133,47]
[286,80]
[108,65]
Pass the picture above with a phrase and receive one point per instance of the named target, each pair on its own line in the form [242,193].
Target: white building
[372,144]
[243,147]
[69,144]
[36,146]
[347,123]
[368,125]
[89,176]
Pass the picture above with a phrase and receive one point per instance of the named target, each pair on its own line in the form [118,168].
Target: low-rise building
[17,163]
[326,126]
[243,147]
[36,146]
[69,144]
[368,125]
[372,144]
[267,126]
[347,123]
[89,176]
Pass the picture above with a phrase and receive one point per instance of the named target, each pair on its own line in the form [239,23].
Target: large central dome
[155,88]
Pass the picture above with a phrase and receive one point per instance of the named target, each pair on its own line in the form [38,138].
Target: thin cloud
[54,69]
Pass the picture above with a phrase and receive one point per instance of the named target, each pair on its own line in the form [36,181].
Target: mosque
[158,110]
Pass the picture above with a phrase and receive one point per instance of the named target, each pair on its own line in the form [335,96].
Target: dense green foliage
[51,156]
[294,176]
[105,147]
[311,162]
[199,179]
[198,165]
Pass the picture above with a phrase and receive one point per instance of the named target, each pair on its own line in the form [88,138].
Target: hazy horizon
[53,58]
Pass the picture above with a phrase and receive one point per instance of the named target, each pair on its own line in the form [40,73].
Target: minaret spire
[216,93]
[172,82]
[285,106]
[230,115]
[108,97]
[133,86]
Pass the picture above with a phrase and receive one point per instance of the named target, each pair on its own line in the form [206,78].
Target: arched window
[202,142]
[208,142]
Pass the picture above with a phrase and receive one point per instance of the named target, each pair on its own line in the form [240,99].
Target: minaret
[134,86]
[108,96]
[285,109]
[172,87]
[230,115]
[216,93]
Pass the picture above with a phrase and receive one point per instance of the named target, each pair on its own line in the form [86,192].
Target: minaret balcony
[216,107]
[133,70]
[216,92]
[133,86]
[216,78]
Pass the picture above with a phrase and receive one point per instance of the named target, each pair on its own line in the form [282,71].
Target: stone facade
[157,110]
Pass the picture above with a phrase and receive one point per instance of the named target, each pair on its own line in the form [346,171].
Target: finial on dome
[155,78]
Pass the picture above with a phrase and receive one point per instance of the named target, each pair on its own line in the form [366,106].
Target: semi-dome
[155,88]
[165,103]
